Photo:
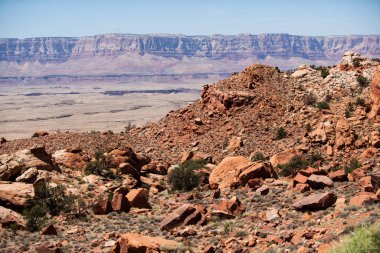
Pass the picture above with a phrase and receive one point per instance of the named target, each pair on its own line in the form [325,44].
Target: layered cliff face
[176,54]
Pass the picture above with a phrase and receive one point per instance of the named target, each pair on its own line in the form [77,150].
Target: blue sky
[32,18]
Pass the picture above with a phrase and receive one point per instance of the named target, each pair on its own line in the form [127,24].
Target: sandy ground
[85,107]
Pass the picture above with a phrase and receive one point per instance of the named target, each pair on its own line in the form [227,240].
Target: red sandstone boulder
[363,198]
[139,198]
[9,217]
[259,170]
[119,202]
[233,206]
[315,202]
[338,175]
[226,173]
[177,217]
[318,181]
[375,94]
[137,243]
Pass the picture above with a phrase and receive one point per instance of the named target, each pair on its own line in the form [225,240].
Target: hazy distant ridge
[60,49]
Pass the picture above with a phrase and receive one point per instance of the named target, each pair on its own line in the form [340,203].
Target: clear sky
[32,18]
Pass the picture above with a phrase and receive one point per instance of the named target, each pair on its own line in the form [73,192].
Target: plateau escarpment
[114,55]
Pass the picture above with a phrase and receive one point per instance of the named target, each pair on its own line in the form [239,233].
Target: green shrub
[365,239]
[323,105]
[353,165]
[328,97]
[308,127]
[315,157]
[324,72]
[183,177]
[295,164]
[356,62]
[350,108]
[362,81]
[35,217]
[258,156]
[360,101]
[101,166]
[281,133]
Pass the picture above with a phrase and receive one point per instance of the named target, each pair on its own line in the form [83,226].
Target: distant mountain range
[143,57]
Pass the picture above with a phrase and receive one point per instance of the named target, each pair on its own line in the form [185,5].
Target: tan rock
[133,242]
[338,175]
[235,143]
[363,198]
[233,206]
[284,157]
[67,159]
[375,94]
[15,193]
[366,184]
[369,152]
[119,202]
[226,173]
[139,198]
[177,217]
[302,187]
[28,176]
[263,190]
[319,181]
[8,217]
[260,170]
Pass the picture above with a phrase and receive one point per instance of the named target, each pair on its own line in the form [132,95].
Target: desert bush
[35,217]
[100,166]
[323,105]
[353,164]
[281,133]
[315,157]
[360,101]
[324,72]
[295,164]
[129,126]
[328,97]
[308,127]
[183,176]
[356,62]
[362,81]
[350,108]
[310,99]
[365,239]
[258,156]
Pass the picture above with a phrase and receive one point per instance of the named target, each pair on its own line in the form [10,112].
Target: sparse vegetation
[308,127]
[281,133]
[183,177]
[365,239]
[310,99]
[48,200]
[353,165]
[350,108]
[324,72]
[360,101]
[295,164]
[362,81]
[101,166]
[323,105]
[356,62]
[258,156]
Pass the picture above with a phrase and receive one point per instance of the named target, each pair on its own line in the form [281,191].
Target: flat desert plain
[25,109]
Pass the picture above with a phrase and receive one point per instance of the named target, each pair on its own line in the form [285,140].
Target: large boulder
[315,202]
[69,159]
[137,243]
[226,173]
[232,206]
[12,165]
[319,181]
[8,217]
[375,95]
[15,193]
[259,170]
[119,202]
[186,214]
[28,176]
[363,198]
[139,198]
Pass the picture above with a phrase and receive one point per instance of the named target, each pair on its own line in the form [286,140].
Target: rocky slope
[177,54]
[293,164]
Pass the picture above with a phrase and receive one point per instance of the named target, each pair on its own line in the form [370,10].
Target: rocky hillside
[279,161]
[178,54]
